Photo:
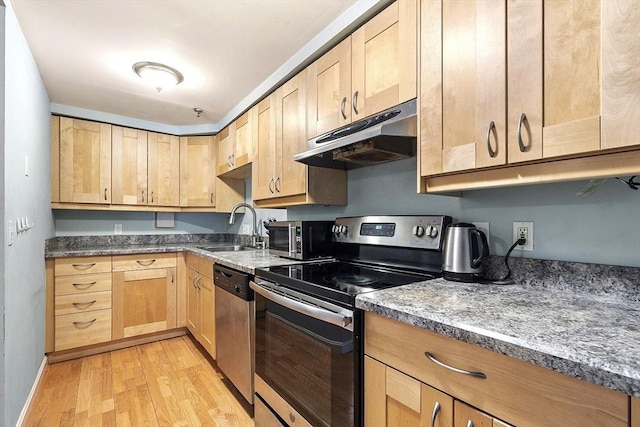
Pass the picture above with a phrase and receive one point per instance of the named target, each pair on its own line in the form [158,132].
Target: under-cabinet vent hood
[389,135]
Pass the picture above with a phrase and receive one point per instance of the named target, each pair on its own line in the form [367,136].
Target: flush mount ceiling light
[158,75]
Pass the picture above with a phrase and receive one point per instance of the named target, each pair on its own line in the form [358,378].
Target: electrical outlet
[523,230]
[117,228]
[484,227]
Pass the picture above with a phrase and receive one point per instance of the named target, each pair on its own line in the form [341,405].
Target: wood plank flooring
[165,383]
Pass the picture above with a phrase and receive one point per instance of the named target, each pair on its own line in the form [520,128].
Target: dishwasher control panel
[233,281]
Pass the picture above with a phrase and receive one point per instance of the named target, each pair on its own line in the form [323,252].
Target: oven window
[310,363]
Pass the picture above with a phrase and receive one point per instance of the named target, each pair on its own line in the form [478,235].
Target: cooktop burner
[340,280]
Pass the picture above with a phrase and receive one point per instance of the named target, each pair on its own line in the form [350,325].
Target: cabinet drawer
[191,260]
[77,330]
[143,261]
[515,391]
[82,265]
[79,303]
[67,285]
[205,267]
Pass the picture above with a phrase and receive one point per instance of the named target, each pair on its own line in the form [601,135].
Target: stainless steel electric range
[308,332]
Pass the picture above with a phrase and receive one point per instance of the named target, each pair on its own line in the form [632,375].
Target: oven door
[307,354]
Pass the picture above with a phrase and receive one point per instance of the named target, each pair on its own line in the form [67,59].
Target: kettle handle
[475,263]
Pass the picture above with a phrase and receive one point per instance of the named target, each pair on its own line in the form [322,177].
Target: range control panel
[411,231]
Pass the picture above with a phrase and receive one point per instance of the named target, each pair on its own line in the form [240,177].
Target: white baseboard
[25,408]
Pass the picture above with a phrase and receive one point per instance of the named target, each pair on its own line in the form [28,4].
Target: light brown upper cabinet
[463,84]
[572,88]
[197,171]
[279,128]
[163,170]
[235,150]
[555,100]
[84,161]
[128,166]
[264,134]
[145,168]
[370,71]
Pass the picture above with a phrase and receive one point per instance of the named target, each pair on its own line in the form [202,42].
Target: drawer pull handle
[145,262]
[83,265]
[85,323]
[434,415]
[86,303]
[469,423]
[451,368]
[84,285]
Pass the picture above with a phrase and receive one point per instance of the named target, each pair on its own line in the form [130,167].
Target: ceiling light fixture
[159,75]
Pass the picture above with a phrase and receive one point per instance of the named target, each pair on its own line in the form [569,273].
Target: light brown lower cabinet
[263,416]
[144,294]
[395,399]
[635,412]
[404,387]
[81,301]
[201,320]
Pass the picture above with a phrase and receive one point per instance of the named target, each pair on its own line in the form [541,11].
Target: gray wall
[26,134]
[601,228]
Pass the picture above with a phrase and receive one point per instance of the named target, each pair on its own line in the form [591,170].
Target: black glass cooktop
[339,280]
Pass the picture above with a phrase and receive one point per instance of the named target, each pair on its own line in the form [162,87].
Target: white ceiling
[229,51]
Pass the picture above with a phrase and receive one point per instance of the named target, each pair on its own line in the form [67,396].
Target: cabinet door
[243,147]
[620,76]
[467,416]
[525,78]
[264,134]
[85,161]
[473,84]
[207,335]
[291,176]
[225,150]
[128,166]
[395,399]
[197,171]
[383,53]
[164,170]
[144,301]
[571,77]
[329,90]
[635,412]
[193,299]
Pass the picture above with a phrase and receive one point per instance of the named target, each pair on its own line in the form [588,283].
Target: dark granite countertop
[586,335]
[246,260]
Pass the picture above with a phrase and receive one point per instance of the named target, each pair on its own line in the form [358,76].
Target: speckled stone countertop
[587,335]
[246,260]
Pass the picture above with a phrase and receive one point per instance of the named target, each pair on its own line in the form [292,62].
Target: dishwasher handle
[341,317]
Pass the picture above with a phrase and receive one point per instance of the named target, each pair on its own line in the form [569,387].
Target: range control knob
[335,228]
[418,230]
[237,289]
[432,231]
[342,229]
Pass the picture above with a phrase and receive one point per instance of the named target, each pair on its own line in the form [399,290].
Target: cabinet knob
[292,417]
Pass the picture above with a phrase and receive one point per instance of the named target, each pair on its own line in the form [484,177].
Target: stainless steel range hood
[390,135]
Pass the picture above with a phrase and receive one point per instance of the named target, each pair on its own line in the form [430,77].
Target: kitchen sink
[223,248]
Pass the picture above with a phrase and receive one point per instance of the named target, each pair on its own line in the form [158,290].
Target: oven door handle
[343,319]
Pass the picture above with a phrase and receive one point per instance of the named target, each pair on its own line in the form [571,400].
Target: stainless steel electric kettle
[465,247]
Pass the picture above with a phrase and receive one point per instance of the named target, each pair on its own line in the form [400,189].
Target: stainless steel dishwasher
[235,328]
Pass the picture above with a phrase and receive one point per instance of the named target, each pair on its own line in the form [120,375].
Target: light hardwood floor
[165,383]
